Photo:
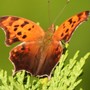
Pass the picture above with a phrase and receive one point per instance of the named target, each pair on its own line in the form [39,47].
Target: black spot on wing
[72,25]
[33,26]
[15,29]
[29,29]
[25,23]
[15,39]
[62,35]
[66,30]
[16,25]
[19,33]
[70,21]
[64,25]
[24,36]
[74,21]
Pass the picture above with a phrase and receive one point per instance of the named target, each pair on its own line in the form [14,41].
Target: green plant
[64,77]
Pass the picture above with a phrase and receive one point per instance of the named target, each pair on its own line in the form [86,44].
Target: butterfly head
[51,28]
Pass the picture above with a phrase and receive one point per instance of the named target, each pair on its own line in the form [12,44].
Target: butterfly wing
[26,56]
[20,29]
[66,29]
[32,58]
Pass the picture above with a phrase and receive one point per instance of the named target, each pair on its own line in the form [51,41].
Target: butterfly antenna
[61,11]
[49,20]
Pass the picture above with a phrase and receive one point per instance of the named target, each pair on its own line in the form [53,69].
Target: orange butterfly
[40,51]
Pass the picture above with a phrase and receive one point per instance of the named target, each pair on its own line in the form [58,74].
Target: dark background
[37,11]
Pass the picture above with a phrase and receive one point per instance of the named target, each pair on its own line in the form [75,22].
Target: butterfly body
[39,51]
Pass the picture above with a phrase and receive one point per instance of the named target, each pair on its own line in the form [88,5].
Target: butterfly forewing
[20,29]
[66,29]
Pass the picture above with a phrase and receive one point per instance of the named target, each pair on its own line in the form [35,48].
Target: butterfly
[39,51]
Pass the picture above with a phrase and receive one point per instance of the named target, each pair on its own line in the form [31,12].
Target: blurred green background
[37,11]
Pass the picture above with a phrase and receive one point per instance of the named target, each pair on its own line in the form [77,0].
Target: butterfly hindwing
[34,59]
[20,29]
[66,29]
[26,57]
